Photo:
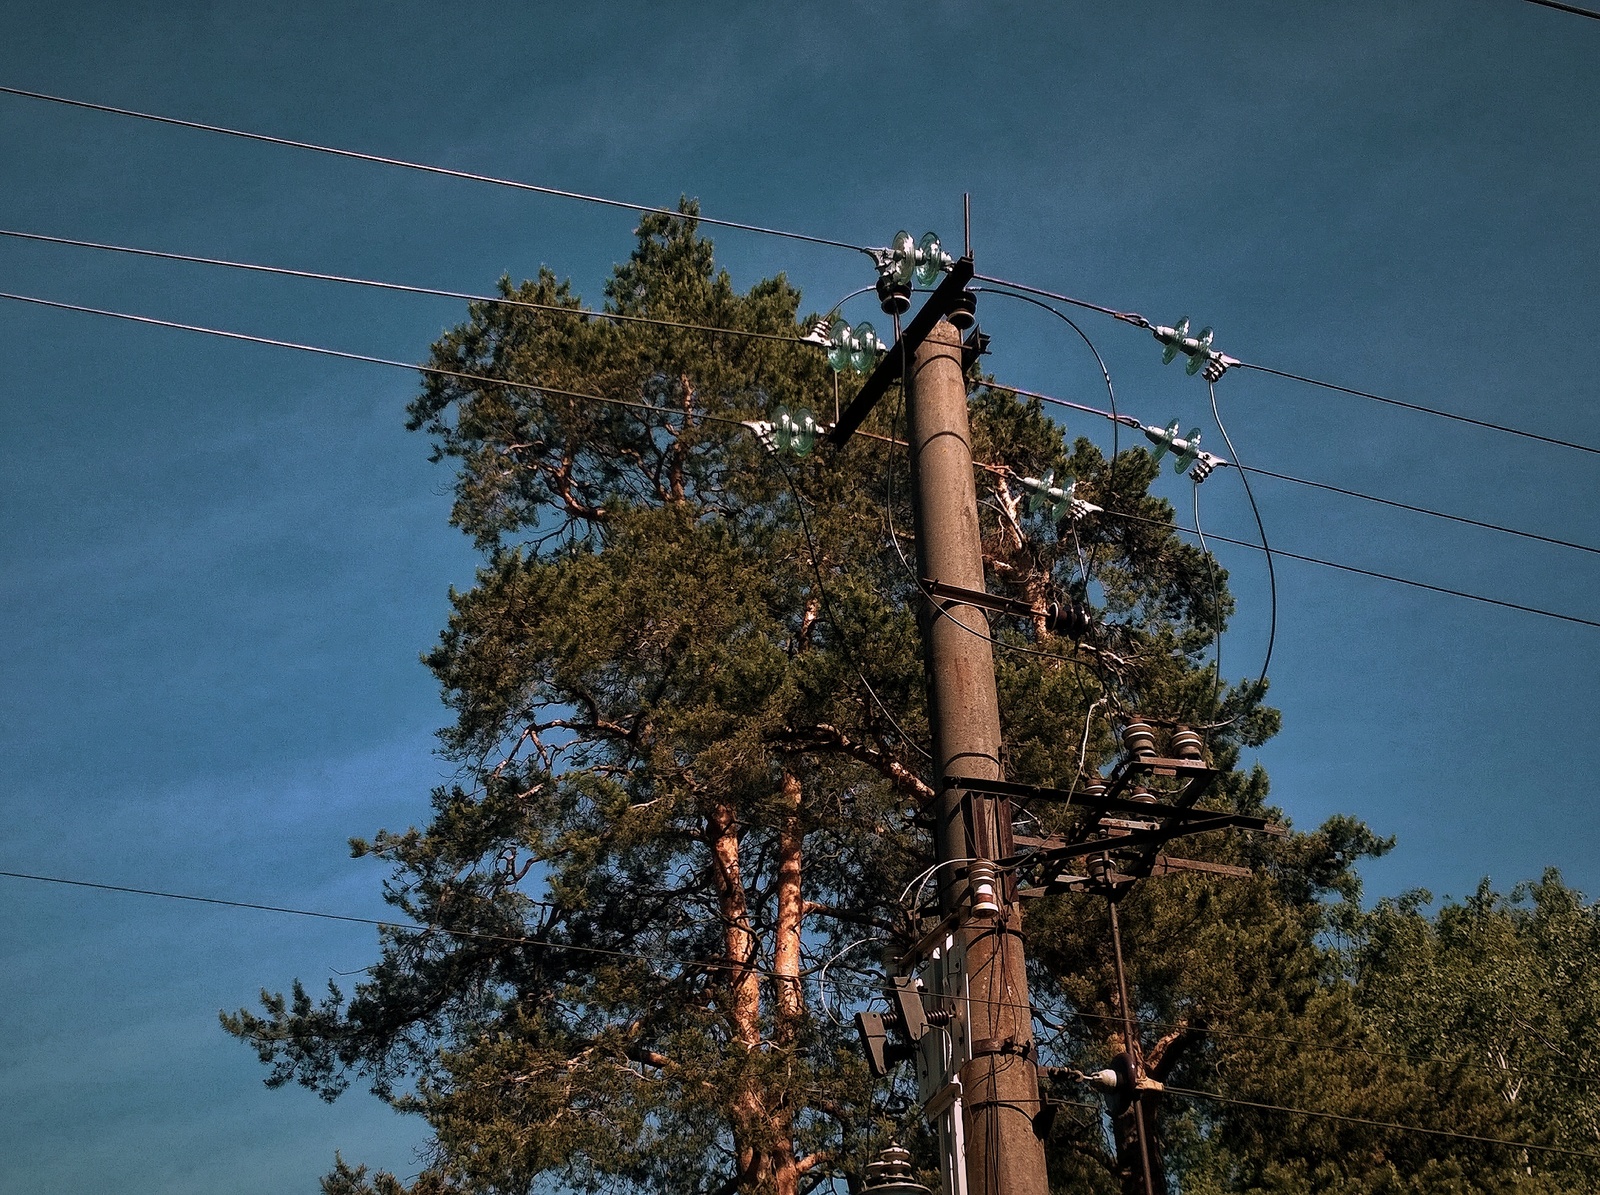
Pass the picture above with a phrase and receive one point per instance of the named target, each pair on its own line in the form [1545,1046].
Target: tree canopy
[688,716]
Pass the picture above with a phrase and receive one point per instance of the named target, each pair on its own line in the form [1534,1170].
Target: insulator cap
[964,311]
[1067,618]
[1142,795]
[983,888]
[894,296]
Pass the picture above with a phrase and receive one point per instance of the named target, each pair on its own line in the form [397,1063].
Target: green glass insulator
[1198,360]
[930,259]
[1180,333]
[1040,498]
[905,256]
[1167,437]
[804,438]
[864,353]
[840,342]
[1187,457]
[782,429]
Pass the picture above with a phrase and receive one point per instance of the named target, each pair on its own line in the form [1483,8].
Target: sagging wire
[822,974]
[922,878]
[1260,687]
[1216,596]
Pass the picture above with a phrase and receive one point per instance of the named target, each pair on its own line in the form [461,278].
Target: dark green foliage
[677,797]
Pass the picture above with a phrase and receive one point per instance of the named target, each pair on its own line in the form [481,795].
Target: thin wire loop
[1272,573]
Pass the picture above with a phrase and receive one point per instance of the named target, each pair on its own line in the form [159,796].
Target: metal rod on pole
[1130,1045]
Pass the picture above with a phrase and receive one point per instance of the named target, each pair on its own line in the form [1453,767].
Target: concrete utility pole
[999,1081]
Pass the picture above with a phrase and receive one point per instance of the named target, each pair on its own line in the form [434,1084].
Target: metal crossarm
[938,305]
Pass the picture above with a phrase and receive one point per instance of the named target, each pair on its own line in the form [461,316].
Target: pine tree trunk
[763,1135]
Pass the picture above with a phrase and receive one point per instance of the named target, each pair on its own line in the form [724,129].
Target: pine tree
[687,713]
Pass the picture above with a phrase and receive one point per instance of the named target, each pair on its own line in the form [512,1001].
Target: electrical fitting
[856,348]
[1060,503]
[983,887]
[1202,357]
[906,263]
[788,434]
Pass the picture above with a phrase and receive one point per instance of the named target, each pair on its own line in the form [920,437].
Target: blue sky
[221,561]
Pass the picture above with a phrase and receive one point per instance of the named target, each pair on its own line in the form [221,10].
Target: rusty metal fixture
[1186,744]
[891,1174]
[1138,738]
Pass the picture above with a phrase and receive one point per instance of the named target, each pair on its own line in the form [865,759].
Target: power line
[1139,321]
[1261,528]
[521,940]
[465,934]
[1581,12]
[1129,317]
[1421,510]
[1130,421]
[1350,568]
[1380,1124]
[401,287]
[1326,1047]
[534,387]
[342,355]
[1411,406]
[423,167]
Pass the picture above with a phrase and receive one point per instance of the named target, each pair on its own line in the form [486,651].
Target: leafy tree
[1504,986]
[687,700]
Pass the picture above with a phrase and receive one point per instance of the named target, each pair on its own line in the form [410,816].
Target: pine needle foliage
[687,715]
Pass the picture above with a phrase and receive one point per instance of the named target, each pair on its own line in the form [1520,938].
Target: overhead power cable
[1131,421]
[425,168]
[1411,406]
[410,926]
[1575,11]
[535,387]
[521,940]
[1139,321]
[1381,1124]
[342,355]
[1364,572]
[1421,510]
[1323,1046]
[1128,317]
[401,287]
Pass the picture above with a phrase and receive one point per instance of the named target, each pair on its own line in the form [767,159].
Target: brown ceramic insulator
[1186,744]
[1139,739]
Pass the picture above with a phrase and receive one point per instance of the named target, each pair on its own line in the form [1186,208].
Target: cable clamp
[1204,463]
